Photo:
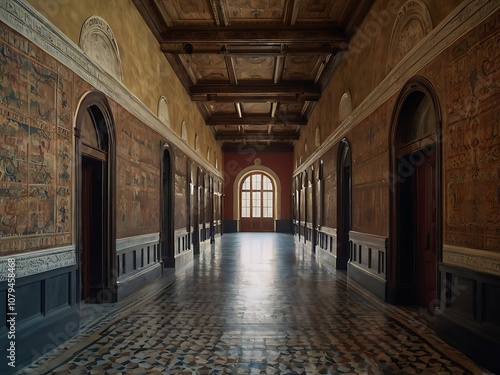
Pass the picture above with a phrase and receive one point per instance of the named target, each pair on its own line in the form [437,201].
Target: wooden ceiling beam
[250,50]
[257,137]
[259,147]
[254,35]
[305,88]
[257,120]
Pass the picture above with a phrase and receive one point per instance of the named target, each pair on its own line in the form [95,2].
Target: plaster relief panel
[163,113]
[98,42]
[345,106]
[412,24]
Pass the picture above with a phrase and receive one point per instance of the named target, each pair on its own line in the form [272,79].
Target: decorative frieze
[473,259]
[33,263]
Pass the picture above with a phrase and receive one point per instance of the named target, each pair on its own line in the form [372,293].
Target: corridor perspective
[259,304]
[250,186]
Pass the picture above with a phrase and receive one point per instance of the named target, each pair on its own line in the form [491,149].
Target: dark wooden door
[92,261]
[425,236]
[86,227]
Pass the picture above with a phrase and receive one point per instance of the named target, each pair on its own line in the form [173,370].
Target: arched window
[257,196]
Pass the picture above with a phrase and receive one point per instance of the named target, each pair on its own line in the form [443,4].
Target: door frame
[106,124]
[398,292]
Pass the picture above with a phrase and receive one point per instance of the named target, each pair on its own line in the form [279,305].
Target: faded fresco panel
[138,175]
[472,140]
[36,150]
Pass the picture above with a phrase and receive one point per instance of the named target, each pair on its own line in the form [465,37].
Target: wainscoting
[326,246]
[45,302]
[138,262]
[469,315]
[367,265]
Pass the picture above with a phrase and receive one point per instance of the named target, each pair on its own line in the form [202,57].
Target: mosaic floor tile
[256,304]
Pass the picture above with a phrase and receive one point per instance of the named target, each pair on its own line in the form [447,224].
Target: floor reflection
[257,304]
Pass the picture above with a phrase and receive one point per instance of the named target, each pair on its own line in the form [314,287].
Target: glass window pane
[245,204]
[266,183]
[256,204]
[268,212]
[246,184]
[245,212]
[256,182]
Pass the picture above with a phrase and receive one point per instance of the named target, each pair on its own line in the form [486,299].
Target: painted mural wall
[464,76]
[36,147]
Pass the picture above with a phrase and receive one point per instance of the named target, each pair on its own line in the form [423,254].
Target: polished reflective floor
[257,304]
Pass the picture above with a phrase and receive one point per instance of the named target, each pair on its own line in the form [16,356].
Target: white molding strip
[473,259]
[24,19]
[135,274]
[370,240]
[466,16]
[126,243]
[32,263]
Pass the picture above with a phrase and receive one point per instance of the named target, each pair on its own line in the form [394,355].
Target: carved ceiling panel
[255,68]
[255,10]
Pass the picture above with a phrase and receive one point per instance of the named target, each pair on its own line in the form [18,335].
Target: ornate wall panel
[180,176]
[35,148]
[369,147]
[472,139]
[138,180]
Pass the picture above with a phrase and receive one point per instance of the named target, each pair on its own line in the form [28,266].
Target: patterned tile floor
[256,304]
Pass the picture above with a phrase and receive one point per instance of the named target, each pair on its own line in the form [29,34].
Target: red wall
[280,162]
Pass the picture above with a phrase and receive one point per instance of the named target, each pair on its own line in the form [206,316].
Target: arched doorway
[415,236]
[344,205]
[257,197]
[95,199]
[167,211]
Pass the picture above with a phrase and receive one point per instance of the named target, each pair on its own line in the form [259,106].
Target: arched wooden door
[167,211]
[257,195]
[416,209]
[344,205]
[95,158]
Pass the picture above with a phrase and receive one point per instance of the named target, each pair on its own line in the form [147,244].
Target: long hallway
[256,304]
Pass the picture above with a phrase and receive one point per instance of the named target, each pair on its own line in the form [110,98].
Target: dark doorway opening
[344,205]
[167,240]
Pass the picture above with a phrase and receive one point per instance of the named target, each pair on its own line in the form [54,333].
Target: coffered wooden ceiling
[255,68]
